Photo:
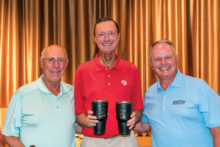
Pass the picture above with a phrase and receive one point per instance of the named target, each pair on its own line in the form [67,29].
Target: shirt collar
[177,82]
[44,88]
[98,66]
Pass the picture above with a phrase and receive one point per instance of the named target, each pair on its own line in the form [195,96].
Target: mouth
[55,71]
[107,43]
[164,68]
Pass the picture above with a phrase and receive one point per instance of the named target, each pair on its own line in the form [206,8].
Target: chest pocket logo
[123,82]
[178,102]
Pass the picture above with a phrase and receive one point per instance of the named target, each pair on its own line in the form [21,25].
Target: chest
[108,83]
[175,106]
[40,109]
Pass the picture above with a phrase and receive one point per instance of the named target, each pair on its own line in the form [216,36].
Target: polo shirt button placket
[108,76]
[57,104]
[164,102]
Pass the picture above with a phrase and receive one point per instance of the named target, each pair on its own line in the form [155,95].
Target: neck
[107,59]
[165,84]
[53,87]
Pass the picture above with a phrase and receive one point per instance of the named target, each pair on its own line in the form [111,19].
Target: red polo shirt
[95,81]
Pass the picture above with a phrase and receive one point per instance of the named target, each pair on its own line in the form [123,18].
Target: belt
[111,137]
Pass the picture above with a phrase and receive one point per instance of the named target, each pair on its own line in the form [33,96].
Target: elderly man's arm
[13,141]
[86,121]
[135,117]
[2,142]
[215,132]
[142,127]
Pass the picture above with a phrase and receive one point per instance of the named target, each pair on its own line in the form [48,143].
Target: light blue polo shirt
[40,118]
[182,115]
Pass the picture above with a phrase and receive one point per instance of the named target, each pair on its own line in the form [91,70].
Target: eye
[101,34]
[60,59]
[157,59]
[51,59]
[111,33]
[168,57]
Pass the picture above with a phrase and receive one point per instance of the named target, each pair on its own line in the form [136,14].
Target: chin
[56,79]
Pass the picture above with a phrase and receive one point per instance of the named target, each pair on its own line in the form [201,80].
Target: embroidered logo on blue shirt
[178,102]
[123,82]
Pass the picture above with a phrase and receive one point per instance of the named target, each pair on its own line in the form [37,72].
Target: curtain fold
[28,26]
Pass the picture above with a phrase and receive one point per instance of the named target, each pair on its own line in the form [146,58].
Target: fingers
[92,120]
[131,122]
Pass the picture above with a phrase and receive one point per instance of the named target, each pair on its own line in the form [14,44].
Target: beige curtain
[27,26]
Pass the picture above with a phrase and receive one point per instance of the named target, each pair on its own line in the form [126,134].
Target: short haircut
[104,19]
[44,50]
[163,41]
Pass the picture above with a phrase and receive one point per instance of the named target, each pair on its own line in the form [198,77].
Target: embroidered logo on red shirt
[123,82]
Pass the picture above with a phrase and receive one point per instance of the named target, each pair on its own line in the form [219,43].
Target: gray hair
[164,41]
[50,46]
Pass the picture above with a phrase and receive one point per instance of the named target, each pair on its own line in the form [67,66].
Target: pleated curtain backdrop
[27,26]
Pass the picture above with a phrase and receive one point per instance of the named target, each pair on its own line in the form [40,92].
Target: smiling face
[106,36]
[164,62]
[53,63]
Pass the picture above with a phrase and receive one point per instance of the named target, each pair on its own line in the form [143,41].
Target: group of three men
[179,110]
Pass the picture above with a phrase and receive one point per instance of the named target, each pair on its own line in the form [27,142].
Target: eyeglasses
[51,60]
[109,33]
[166,58]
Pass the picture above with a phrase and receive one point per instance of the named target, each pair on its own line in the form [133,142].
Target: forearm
[82,119]
[215,132]
[138,114]
[13,141]
[216,142]
[142,127]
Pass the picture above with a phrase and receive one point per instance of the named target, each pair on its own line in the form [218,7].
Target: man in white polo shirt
[42,113]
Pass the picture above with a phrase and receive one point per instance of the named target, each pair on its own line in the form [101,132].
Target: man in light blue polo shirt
[42,113]
[180,110]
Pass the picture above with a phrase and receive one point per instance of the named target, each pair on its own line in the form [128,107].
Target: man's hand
[13,141]
[86,121]
[92,120]
[135,117]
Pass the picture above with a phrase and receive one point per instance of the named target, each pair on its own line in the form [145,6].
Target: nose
[106,37]
[163,61]
[56,63]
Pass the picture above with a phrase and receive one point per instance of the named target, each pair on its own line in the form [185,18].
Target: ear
[67,61]
[41,63]
[95,39]
[151,64]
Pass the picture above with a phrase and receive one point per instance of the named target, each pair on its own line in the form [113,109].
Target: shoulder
[152,88]
[198,86]
[128,65]
[85,65]
[23,91]
[68,87]
[28,88]
[194,81]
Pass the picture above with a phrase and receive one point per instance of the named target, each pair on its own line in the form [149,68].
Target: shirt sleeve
[12,121]
[137,101]
[209,105]
[79,98]
[144,115]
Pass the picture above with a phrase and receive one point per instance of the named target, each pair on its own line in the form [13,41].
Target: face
[53,63]
[163,61]
[106,37]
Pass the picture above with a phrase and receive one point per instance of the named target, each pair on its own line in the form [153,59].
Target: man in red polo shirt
[110,78]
